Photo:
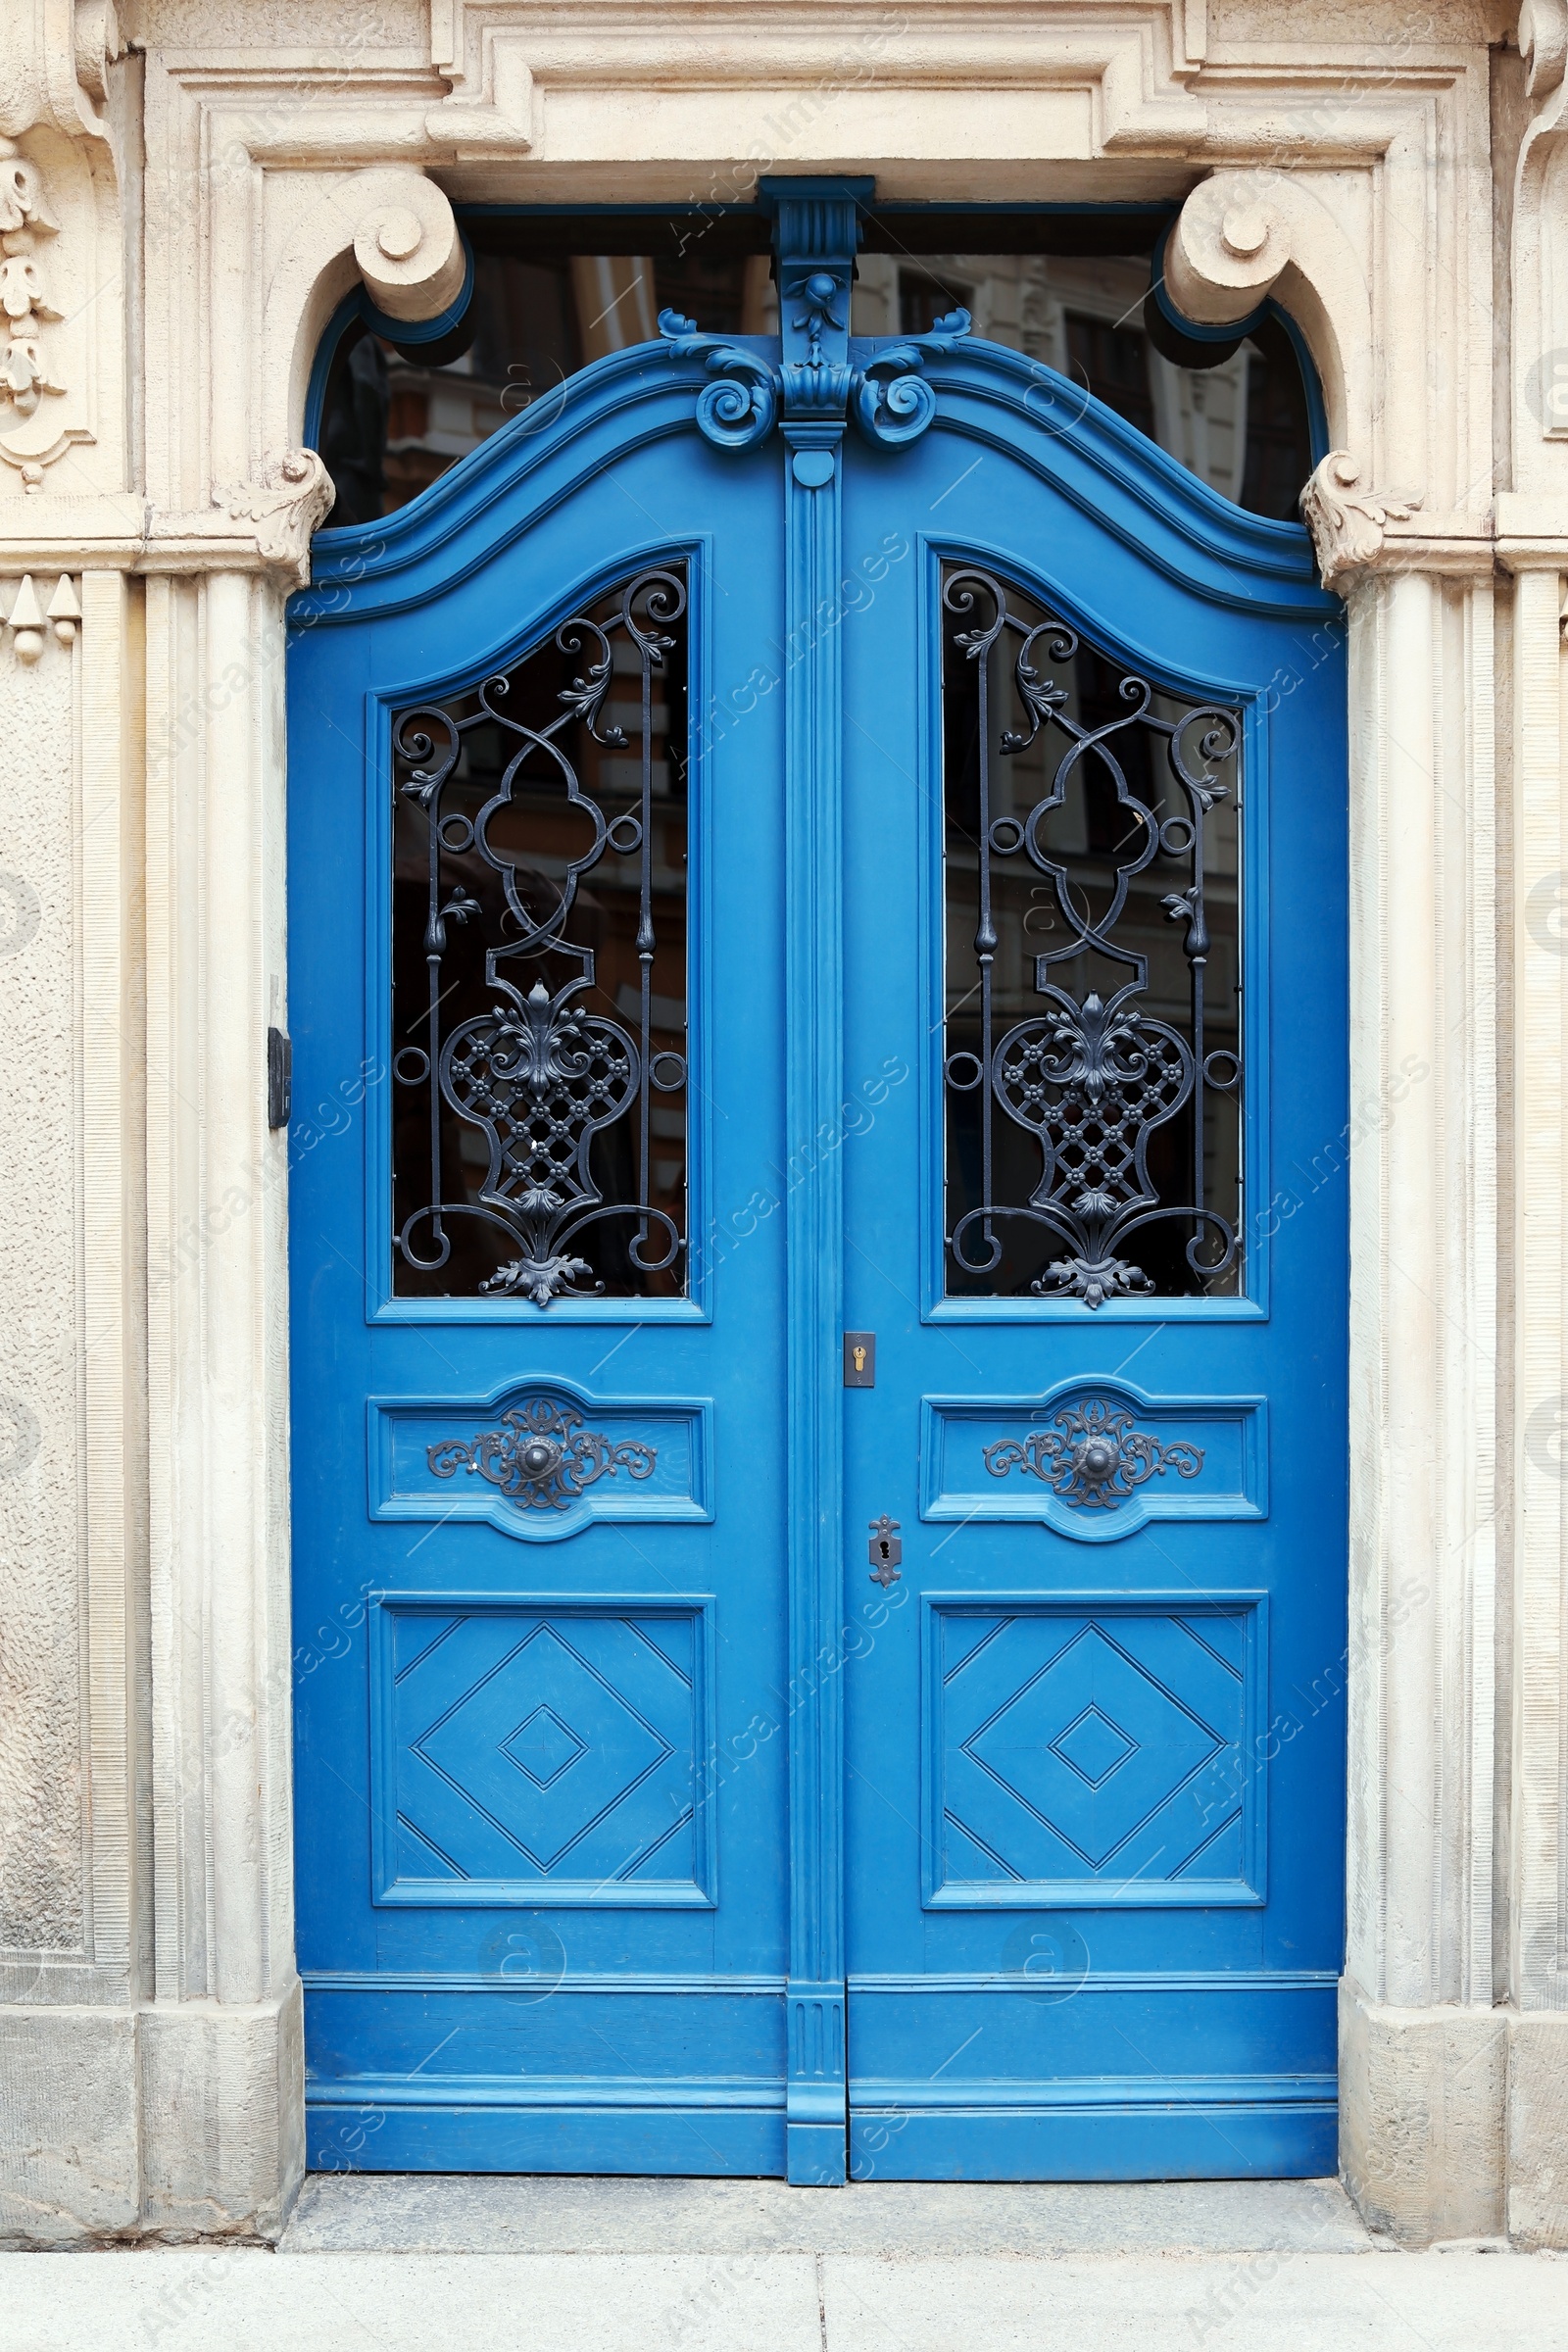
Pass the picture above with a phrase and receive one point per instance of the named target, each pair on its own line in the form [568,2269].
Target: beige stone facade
[186,194]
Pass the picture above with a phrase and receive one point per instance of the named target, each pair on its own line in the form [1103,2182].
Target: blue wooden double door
[819,1261]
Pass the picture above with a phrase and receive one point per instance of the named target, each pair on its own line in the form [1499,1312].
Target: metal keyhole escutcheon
[886,1551]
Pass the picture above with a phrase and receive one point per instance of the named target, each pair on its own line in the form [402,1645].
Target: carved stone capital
[1347,524]
[1229,245]
[286,509]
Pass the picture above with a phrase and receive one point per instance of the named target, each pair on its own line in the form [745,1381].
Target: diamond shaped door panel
[1094,1750]
[542,1752]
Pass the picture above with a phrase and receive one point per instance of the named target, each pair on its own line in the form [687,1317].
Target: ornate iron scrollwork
[1095,1073]
[527,1051]
[542,1456]
[1095,1456]
[888,400]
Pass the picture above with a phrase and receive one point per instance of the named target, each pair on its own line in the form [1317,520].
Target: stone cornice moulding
[73,535]
[1533,532]
[470,39]
[122,533]
[1139,72]
[52,66]
[1140,69]
[498,116]
[455,23]
[1146,93]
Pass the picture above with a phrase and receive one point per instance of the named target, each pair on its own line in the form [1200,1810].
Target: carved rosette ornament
[286,509]
[1348,522]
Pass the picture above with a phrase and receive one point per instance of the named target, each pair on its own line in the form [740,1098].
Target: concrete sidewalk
[405,2265]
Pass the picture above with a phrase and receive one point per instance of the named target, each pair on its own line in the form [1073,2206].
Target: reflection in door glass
[1240,422]
[1092,1068]
[548,299]
[539,966]
[554,291]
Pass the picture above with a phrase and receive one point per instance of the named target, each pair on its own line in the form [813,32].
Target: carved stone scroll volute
[1349,521]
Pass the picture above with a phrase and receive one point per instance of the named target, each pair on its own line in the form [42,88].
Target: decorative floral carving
[542,1456]
[286,509]
[24,306]
[893,403]
[1093,1456]
[1347,524]
[740,408]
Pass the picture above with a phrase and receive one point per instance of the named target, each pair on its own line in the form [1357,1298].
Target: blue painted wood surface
[1050,1990]
[1085,1796]
[559,1786]
[816,235]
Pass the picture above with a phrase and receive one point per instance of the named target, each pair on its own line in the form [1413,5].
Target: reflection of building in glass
[1241,426]
[393,420]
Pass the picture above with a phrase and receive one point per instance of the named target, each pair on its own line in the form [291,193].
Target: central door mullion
[816,234]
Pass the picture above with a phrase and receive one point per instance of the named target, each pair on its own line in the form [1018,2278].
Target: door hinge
[279,1078]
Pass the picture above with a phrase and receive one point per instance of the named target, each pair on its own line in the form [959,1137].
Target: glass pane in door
[1092,897]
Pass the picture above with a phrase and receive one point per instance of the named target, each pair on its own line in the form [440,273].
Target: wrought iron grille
[539,966]
[1093,1080]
